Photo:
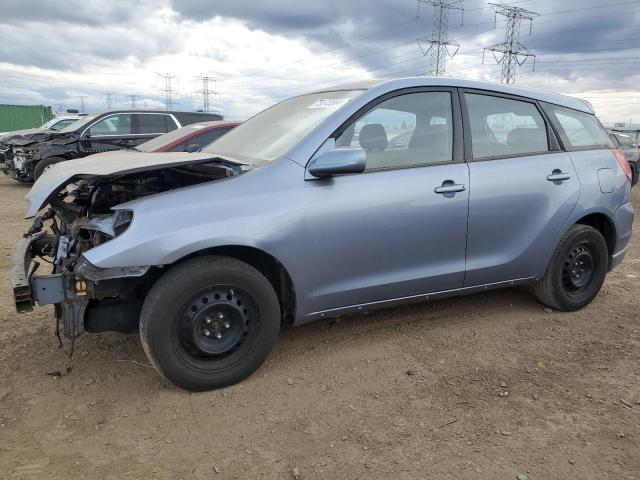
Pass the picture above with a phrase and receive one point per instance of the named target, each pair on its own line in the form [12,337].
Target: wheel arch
[267,264]
[604,224]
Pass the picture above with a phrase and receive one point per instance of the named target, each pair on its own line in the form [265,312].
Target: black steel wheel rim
[215,322]
[579,269]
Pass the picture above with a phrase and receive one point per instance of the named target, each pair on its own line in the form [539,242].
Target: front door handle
[558,176]
[449,188]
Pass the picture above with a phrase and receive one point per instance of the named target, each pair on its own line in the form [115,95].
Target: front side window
[407,130]
[503,127]
[112,125]
[578,130]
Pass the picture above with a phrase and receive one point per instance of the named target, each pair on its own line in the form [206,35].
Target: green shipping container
[18,117]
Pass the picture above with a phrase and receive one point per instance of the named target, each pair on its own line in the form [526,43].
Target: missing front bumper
[22,292]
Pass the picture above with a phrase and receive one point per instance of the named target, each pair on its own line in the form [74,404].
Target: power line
[206,92]
[512,52]
[439,43]
[82,97]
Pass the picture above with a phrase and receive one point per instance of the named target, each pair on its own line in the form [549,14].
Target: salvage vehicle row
[25,158]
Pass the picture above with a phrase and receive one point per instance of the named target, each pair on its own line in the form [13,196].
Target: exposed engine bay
[80,216]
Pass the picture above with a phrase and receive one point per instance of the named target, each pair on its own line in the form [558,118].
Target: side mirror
[191,148]
[338,162]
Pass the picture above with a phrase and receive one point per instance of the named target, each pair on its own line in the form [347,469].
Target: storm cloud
[260,52]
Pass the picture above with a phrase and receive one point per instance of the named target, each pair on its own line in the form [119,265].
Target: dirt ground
[416,392]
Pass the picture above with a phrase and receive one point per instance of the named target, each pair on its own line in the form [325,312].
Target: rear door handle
[558,176]
[449,187]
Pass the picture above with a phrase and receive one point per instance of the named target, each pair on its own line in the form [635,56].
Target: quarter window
[112,125]
[503,127]
[578,130]
[403,131]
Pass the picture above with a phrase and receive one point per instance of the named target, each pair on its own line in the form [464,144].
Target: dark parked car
[105,131]
[188,139]
[33,134]
[630,150]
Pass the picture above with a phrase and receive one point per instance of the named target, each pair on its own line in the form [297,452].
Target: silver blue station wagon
[338,201]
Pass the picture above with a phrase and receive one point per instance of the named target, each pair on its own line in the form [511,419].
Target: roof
[217,123]
[139,110]
[387,85]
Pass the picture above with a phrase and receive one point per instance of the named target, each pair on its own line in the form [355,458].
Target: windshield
[273,132]
[47,125]
[164,140]
[60,124]
[77,124]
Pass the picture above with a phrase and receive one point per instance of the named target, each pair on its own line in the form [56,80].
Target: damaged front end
[83,213]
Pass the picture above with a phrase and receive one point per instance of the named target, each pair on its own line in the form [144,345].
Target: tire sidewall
[164,309]
[40,167]
[596,242]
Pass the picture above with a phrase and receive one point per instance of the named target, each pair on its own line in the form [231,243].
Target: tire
[193,303]
[576,270]
[42,165]
[23,180]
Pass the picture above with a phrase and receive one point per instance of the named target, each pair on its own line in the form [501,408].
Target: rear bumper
[623,222]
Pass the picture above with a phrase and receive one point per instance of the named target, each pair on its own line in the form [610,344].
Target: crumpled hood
[31,139]
[20,133]
[105,165]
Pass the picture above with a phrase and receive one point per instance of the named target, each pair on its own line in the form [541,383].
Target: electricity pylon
[511,53]
[439,44]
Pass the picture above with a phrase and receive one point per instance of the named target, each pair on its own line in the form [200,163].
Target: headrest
[528,139]
[373,137]
[427,136]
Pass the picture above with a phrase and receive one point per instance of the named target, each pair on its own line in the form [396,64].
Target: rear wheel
[209,322]
[576,271]
[42,165]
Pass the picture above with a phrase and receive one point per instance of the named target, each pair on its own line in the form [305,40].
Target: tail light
[623,162]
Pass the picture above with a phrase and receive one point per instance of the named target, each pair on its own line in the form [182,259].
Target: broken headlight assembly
[121,221]
[99,229]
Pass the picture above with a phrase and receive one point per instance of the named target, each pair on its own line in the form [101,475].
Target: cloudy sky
[54,52]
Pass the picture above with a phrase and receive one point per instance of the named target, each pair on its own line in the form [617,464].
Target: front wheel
[209,322]
[44,164]
[576,271]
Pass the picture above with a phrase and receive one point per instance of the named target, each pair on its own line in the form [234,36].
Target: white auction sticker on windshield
[329,103]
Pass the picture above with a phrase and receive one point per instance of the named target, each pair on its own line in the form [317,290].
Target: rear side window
[624,139]
[504,127]
[578,130]
[155,123]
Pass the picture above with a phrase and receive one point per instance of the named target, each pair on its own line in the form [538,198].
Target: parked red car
[188,139]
